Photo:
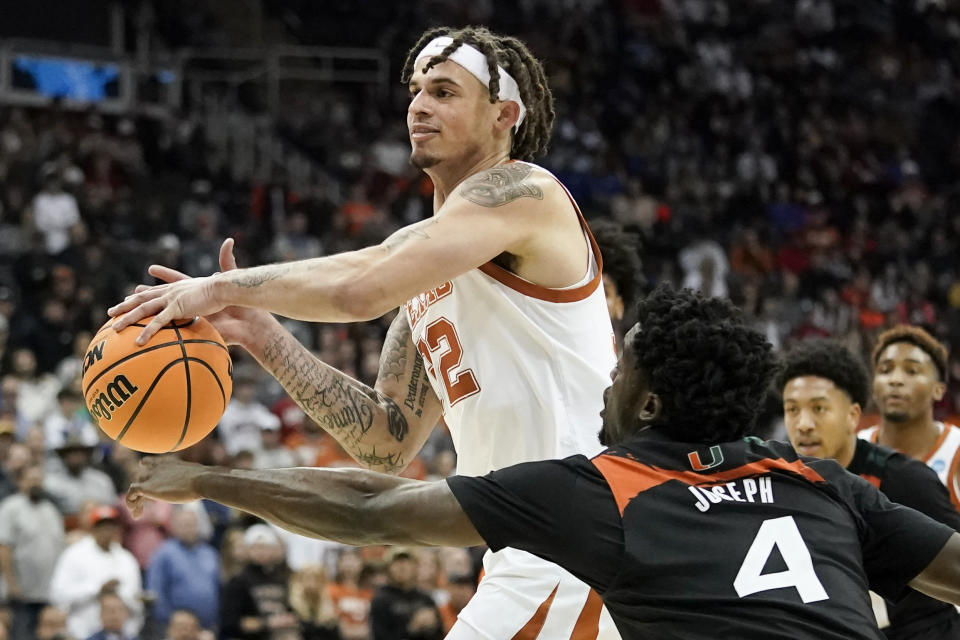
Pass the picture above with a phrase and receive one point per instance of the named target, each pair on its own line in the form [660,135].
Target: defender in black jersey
[685,528]
[824,387]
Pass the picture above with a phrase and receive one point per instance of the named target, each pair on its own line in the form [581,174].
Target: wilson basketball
[163,396]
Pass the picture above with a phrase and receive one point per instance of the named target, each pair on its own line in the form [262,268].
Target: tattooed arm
[512,209]
[383,428]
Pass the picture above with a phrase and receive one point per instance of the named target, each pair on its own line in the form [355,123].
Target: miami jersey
[942,458]
[688,541]
[520,368]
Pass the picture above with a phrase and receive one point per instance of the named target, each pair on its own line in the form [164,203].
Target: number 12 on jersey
[783,534]
[442,353]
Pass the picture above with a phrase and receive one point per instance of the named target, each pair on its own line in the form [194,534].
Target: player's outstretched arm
[941,578]
[352,506]
[382,428]
[506,209]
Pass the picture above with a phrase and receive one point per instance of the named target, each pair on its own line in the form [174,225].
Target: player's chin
[423,160]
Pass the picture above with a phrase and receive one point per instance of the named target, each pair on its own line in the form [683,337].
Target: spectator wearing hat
[399,610]
[255,603]
[78,482]
[31,539]
[184,573]
[93,565]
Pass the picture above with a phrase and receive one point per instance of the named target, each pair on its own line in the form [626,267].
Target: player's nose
[420,104]
[805,422]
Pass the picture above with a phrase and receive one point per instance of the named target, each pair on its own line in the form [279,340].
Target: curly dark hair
[830,360]
[531,138]
[710,370]
[621,258]
[917,337]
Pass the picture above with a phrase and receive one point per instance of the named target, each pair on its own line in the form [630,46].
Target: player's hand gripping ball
[163,396]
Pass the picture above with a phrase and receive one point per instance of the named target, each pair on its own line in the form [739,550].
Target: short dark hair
[531,139]
[830,360]
[621,258]
[917,337]
[710,370]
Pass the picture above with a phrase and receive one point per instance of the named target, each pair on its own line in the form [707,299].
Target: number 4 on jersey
[782,533]
[458,384]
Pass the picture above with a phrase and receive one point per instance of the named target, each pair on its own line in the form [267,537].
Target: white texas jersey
[943,457]
[520,368]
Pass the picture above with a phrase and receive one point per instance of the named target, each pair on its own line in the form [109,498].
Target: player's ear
[651,409]
[509,112]
[853,417]
[939,389]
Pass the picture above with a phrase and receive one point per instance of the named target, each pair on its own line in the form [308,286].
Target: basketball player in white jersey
[503,327]
[909,376]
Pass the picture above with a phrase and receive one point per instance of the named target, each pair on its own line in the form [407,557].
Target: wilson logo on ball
[93,356]
[117,392]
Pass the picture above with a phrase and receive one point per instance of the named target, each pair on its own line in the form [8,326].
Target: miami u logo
[716,456]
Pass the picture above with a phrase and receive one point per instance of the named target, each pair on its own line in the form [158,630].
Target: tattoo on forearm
[344,407]
[398,350]
[500,185]
[390,462]
[257,278]
[396,423]
[410,402]
[424,388]
[393,357]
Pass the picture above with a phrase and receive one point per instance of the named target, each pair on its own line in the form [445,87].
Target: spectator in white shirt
[244,420]
[54,212]
[92,566]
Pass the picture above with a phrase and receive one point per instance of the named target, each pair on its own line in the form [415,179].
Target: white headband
[473,60]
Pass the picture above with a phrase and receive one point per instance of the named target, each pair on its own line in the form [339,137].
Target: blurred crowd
[801,158]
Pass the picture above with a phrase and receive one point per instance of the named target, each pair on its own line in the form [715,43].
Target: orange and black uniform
[740,539]
[913,484]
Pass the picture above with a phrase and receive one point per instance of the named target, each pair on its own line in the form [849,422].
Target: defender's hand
[167,479]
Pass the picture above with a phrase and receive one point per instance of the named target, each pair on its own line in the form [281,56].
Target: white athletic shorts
[522,597]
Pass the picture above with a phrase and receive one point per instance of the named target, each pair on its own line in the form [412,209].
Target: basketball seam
[223,394]
[143,400]
[173,324]
[147,350]
[186,370]
[216,378]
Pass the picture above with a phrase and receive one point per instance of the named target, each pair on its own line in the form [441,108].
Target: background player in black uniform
[824,389]
[686,529]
